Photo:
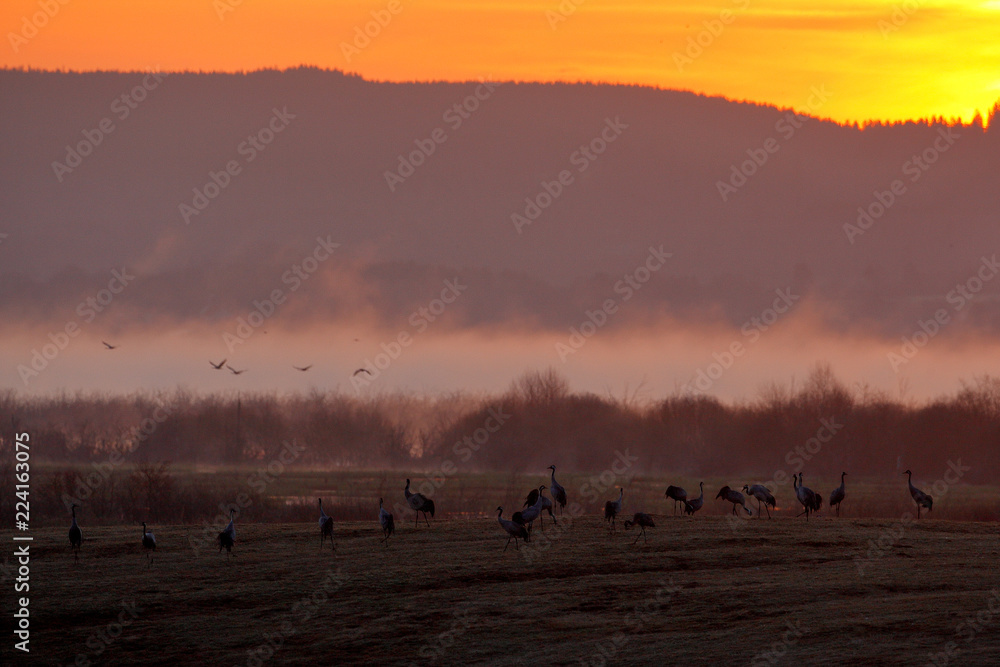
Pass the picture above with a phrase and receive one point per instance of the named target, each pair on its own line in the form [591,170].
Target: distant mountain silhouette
[664,177]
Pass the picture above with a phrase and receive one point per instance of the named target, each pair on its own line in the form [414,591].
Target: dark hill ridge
[656,183]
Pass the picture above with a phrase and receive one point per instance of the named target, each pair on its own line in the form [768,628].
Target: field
[701,591]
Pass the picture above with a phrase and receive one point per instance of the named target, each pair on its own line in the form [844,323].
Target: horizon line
[985,117]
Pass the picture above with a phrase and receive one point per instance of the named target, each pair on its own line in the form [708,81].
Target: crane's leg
[768,511]
[636,538]
[506,545]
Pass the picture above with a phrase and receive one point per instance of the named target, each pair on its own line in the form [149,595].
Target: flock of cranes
[518,527]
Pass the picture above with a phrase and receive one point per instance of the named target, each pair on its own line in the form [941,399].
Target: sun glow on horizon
[880,60]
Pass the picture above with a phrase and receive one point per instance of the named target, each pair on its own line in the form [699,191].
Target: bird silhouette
[919,497]
[418,502]
[325,527]
[303,369]
[695,504]
[217,366]
[612,509]
[386,521]
[361,370]
[837,495]
[678,495]
[763,495]
[148,543]
[642,520]
[735,497]
[227,538]
[234,371]
[75,535]
[109,345]
[557,490]
[514,530]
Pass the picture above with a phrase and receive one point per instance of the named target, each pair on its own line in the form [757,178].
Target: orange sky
[942,58]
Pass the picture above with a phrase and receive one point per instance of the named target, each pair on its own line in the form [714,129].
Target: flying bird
[234,371]
[361,370]
[298,368]
[109,345]
[217,366]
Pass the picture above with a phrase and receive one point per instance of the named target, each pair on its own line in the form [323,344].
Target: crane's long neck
[702,487]
[621,494]
[74,513]
[499,515]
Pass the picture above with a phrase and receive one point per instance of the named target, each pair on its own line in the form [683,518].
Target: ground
[701,591]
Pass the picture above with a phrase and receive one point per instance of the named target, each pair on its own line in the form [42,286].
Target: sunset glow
[879,59]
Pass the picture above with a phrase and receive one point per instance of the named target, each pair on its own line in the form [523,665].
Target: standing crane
[148,543]
[919,497]
[642,520]
[557,490]
[809,499]
[678,494]
[735,497]
[325,527]
[418,502]
[386,521]
[532,498]
[75,535]
[514,530]
[837,495]
[227,538]
[612,509]
[692,506]
[529,515]
[763,495]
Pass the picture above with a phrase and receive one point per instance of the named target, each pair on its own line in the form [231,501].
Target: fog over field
[470,231]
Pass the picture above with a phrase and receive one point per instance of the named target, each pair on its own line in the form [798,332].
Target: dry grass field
[702,591]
